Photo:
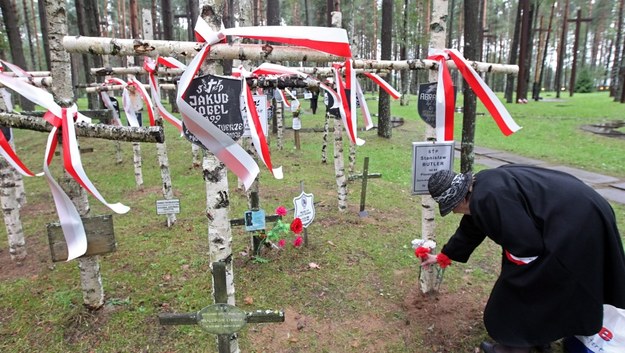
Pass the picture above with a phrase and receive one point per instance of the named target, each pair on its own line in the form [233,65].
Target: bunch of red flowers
[280,229]
[422,253]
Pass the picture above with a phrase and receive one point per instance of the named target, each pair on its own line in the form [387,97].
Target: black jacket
[571,232]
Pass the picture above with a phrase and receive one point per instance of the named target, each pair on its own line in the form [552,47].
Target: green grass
[354,302]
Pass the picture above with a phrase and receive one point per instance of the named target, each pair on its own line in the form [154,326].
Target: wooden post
[363,191]
[428,206]
[221,319]
[161,148]
[578,20]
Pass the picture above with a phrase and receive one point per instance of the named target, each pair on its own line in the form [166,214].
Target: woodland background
[540,36]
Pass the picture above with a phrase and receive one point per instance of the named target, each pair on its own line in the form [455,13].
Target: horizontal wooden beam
[151,134]
[153,48]
[263,52]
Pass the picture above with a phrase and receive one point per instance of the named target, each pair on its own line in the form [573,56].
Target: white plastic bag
[611,338]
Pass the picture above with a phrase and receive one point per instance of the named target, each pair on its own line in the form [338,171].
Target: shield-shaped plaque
[304,208]
[216,98]
[427,103]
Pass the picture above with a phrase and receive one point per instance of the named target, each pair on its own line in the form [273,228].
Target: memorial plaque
[167,206]
[254,220]
[221,319]
[261,108]
[426,105]
[304,208]
[427,159]
[218,99]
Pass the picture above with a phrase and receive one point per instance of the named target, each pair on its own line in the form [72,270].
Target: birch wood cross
[221,318]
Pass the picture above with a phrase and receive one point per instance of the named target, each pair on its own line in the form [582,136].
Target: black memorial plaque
[217,99]
[427,103]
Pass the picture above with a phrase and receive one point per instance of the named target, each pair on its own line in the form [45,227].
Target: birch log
[102,131]
[11,213]
[90,279]
[339,161]
[427,279]
[153,48]
[10,204]
[324,143]
[279,111]
[161,148]
[216,181]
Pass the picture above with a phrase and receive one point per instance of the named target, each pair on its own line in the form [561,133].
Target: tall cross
[578,20]
[221,319]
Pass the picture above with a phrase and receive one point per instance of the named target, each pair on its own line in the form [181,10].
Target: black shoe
[500,348]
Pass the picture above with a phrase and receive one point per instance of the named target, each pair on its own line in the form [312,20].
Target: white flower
[430,244]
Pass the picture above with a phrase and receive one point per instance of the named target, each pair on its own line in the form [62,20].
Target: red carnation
[298,241]
[422,252]
[443,260]
[281,211]
[297,226]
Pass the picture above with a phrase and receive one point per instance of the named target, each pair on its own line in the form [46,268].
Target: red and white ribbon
[345,107]
[500,114]
[150,66]
[519,260]
[236,159]
[383,84]
[63,118]
[445,100]
[256,131]
[145,97]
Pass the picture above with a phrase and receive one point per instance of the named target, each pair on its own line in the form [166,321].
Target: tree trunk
[10,204]
[384,101]
[514,50]
[29,33]
[161,148]
[618,43]
[521,91]
[11,25]
[403,55]
[90,279]
[472,50]
[216,181]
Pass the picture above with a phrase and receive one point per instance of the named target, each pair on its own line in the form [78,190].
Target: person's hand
[429,260]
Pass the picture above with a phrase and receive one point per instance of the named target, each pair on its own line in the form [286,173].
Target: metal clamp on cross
[221,319]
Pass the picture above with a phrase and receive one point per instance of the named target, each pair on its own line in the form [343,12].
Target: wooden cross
[248,221]
[221,318]
[363,193]
[578,20]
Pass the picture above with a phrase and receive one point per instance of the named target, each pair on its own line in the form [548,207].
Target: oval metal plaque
[221,319]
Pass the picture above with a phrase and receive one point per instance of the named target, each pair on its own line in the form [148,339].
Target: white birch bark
[119,159]
[216,181]
[161,148]
[196,155]
[352,158]
[10,203]
[11,213]
[339,166]
[90,279]
[280,124]
[427,279]
[339,161]
[136,162]
[324,143]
